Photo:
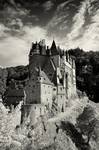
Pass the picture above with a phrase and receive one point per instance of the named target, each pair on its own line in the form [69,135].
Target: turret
[73,63]
[35,49]
[67,56]
[48,51]
[43,47]
[64,56]
[54,50]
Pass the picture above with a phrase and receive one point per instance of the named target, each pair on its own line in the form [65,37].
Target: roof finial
[53,38]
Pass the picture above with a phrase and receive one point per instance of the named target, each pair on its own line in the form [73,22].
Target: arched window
[66,81]
[40,110]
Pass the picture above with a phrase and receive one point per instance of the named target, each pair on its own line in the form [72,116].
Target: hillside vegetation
[87,72]
[75,129]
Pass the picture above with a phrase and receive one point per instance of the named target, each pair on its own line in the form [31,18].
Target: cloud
[14,50]
[72,25]
[3,30]
[48,5]
[78,27]
[12,16]
[61,22]
[79,20]
[85,33]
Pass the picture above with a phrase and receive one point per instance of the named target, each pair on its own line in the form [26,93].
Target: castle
[51,79]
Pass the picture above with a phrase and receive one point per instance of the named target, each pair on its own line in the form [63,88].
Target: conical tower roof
[54,48]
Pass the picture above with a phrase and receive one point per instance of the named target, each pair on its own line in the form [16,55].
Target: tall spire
[54,48]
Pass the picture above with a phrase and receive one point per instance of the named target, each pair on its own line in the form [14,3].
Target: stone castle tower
[51,78]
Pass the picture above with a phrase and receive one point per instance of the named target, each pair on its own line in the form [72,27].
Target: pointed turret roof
[54,48]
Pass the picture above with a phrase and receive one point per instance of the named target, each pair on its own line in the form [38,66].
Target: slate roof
[54,50]
[45,78]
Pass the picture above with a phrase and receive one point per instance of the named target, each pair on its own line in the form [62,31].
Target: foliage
[8,122]
[86,122]
[75,135]
[19,73]
[87,71]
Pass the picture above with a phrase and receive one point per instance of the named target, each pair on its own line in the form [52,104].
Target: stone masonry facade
[51,80]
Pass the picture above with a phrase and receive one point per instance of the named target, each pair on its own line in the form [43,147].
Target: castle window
[66,81]
[54,89]
[61,96]
[35,107]
[40,110]
[61,81]
[61,88]
[50,74]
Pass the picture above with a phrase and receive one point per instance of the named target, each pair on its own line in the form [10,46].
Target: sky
[71,23]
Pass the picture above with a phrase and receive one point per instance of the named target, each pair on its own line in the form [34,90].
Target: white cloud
[83,34]
[79,20]
[14,50]
[48,5]
[88,36]
[3,29]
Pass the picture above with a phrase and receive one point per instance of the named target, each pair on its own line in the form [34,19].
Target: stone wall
[46,94]
[31,113]
[33,91]
[61,98]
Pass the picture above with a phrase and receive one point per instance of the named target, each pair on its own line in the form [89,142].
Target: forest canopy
[87,72]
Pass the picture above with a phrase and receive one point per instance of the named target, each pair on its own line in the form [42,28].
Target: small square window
[61,88]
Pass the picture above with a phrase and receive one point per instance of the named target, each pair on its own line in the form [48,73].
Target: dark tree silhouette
[86,122]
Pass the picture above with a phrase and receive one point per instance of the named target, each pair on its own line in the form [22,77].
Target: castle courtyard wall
[31,113]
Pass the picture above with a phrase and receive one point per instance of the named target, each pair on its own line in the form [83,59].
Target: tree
[86,122]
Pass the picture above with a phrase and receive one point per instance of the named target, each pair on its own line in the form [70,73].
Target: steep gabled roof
[45,77]
[54,50]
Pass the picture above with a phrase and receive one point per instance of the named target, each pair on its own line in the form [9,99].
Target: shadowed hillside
[87,72]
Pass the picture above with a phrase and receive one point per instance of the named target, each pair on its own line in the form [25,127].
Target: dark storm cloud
[28,11]
[35,12]
[48,5]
